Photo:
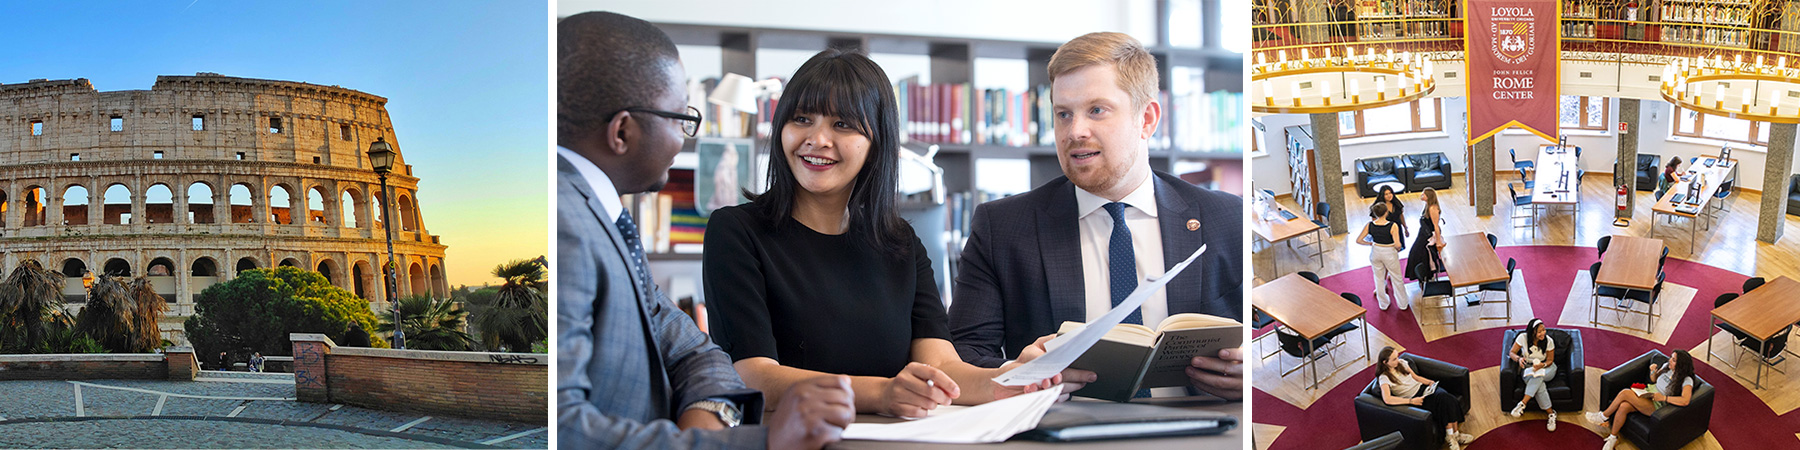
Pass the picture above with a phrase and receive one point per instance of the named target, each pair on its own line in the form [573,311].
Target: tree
[28,302]
[258,309]
[513,316]
[430,324]
[122,315]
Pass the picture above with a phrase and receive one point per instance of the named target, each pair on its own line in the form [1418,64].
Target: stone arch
[361,278]
[318,207]
[329,268]
[116,207]
[439,288]
[246,263]
[74,268]
[118,267]
[416,275]
[405,209]
[34,207]
[204,266]
[5,206]
[159,204]
[289,262]
[281,201]
[243,202]
[352,206]
[200,202]
[378,213]
[162,266]
[75,204]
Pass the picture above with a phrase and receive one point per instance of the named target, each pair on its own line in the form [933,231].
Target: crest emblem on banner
[1513,41]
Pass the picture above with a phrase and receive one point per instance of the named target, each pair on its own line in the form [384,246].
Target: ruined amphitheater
[202,177]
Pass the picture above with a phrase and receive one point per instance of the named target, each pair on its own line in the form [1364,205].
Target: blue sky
[466,82]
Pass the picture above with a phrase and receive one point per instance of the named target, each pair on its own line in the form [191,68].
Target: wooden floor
[1263,435]
[1725,245]
[1672,306]
[1266,373]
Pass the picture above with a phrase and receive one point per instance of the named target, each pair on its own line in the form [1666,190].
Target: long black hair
[1531,334]
[1395,373]
[853,88]
[1684,370]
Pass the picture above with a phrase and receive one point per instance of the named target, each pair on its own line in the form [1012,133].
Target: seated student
[819,275]
[1668,177]
[1401,386]
[1534,350]
[1674,386]
[1384,259]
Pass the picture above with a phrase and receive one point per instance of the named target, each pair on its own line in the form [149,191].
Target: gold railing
[1578,35]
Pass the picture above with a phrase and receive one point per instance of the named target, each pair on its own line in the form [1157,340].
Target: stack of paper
[987,423]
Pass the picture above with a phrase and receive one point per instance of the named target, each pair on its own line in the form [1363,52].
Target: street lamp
[381,157]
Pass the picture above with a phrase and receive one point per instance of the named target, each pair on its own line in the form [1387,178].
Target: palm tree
[516,314]
[27,296]
[431,324]
[147,329]
[109,315]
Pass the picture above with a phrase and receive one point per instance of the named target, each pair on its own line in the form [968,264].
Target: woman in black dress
[1396,210]
[819,275]
[1428,243]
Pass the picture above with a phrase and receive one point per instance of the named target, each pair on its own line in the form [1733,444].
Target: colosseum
[202,177]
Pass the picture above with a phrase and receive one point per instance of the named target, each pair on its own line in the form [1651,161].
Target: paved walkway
[226,412]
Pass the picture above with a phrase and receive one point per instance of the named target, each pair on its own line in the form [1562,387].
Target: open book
[1132,357]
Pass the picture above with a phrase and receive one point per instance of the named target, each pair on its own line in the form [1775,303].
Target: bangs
[836,89]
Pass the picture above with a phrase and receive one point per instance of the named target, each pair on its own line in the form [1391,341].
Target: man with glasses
[632,370]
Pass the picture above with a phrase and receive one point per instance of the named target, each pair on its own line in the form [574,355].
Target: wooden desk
[1630,262]
[1471,261]
[1762,313]
[1713,177]
[1273,231]
[1556,179]
[1308,309]
[1231,440]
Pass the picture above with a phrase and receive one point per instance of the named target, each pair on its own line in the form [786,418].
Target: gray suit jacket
[1021,269]
[627,361]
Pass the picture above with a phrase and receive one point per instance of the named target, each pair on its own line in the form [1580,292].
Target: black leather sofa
[1389,442]
[1377,170]
[1566,388]
[1648,168]
[1427,170]
[1670,427]
[1793,208]
[1375,419]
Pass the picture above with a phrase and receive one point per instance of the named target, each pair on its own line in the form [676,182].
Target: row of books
[667,220]
[960,114]
[1713,13]
[1706,35]
[1397,30]
[1203,122]
[1401,8]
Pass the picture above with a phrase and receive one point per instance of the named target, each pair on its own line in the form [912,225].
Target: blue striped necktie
[1121,261]
[639,267]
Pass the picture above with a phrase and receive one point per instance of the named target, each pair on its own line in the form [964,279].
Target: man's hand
[1222,377]
[699,419]
[813,413]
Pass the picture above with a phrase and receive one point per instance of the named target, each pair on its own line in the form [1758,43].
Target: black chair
[1568,386]
[1377,170]
[1736,334]
[1793,208]
[1493,241]
[1432,288]
[1348,327]
[1390,441]
[1604,242]
[1648,168]
[1650,300]
[1307,351]
[1512,265]
[1428,170]
[1616,294]
[1375,418]
[1670,427]
[1309,276]
[1752,284]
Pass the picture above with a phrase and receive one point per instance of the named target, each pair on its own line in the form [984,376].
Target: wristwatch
[728,412]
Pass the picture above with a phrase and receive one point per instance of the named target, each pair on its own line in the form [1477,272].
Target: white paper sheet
[986,423]
[1066,348]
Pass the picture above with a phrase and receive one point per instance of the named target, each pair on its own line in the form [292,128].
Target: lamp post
[381,157]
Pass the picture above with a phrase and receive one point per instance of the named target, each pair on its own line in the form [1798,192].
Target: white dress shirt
[598,181]
[1146,244]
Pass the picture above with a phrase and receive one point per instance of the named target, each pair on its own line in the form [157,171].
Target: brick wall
[504,386]
[149,366]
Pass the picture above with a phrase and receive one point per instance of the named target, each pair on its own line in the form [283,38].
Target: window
[344,130]
[315,160]
[1690,123]
[37,128]
[240,156]
[1580,112]
[1414,117]
[156,154]
[274,125]
[199,122]
[118,123]
[74,156]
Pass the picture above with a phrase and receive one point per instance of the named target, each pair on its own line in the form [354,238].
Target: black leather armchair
[1566,388]
[1648,168]
[1670,427]
[1377,170]
[1794,196]
[1375,418]
[1389,442]
[1428,170]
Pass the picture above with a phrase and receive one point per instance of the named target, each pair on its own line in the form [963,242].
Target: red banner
[1512,64]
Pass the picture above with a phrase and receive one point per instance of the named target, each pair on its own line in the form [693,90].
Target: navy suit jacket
[1021,277]
[627,360]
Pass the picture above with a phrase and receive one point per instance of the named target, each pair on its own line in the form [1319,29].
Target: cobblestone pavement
[225,413]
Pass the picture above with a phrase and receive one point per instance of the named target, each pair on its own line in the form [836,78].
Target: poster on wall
[1512,65]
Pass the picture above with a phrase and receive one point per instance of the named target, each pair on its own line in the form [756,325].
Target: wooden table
[1471,261]
[1762,314]
[1233,439]
[1308,309]
[1557,182]
[1278,230]
[1630,263]
[1713,177]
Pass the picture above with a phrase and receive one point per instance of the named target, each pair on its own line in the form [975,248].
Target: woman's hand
[1417,401]
[916,390]
[1539,365]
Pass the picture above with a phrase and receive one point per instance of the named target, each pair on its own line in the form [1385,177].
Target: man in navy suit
[1071,249]
[632,370]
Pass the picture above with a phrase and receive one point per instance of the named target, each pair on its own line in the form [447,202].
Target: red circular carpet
[1739,420]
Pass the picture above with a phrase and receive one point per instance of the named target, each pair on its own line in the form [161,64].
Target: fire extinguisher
[1624,196]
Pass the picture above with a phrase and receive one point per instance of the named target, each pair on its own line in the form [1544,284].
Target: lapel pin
[1193,224]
